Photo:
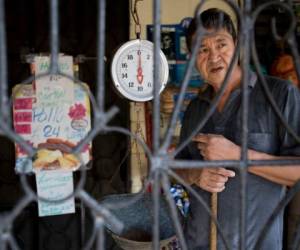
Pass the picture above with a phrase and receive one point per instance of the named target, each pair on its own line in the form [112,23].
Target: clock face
[132,70]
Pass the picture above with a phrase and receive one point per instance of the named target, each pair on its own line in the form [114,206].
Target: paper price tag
[55,185]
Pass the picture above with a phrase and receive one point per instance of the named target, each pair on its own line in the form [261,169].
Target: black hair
[211,19]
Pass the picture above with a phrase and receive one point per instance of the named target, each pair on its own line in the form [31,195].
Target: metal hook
[136,18]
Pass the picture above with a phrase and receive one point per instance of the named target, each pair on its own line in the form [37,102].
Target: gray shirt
[266,134]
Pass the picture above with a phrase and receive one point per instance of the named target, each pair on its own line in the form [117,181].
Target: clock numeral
[149,84]
[148,57]
[124,65]
[139,52]
[140,88]
[124,75]
[130,57]
[130,84]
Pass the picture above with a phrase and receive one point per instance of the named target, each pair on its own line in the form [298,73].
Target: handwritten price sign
[55,186]
[54,90]
[53,117]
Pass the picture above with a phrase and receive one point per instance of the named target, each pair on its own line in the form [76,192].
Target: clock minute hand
[140,75]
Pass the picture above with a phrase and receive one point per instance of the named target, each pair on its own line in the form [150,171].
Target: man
[220,139]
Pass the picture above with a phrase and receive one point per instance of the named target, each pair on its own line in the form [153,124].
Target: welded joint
[159,162]
[102,118]
[5,236]
[99,220]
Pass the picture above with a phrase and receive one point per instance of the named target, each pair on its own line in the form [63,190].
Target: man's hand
[216,147]
[213,179]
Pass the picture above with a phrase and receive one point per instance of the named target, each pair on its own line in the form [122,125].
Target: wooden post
[213,226]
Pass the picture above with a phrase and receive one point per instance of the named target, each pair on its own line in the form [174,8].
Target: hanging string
[135,16]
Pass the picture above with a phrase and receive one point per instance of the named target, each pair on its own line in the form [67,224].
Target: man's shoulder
[278,86]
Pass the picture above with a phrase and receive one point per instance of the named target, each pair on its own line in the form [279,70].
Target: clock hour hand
[140,75]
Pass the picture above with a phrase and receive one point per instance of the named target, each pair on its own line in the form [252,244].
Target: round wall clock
[132,70]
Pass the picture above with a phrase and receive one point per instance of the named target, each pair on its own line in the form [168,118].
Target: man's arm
[285,175]
[217,147]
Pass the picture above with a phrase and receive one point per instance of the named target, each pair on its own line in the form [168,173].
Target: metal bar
[82,221]
[246,27]
[12,243]
[187,76]
[156,205]
[166,187]
[100,235]
[101,211]
[92,238]
[101,54]
[157,84]
[3,243]
[54,31]
[4,114]
[18,208]
[185,164]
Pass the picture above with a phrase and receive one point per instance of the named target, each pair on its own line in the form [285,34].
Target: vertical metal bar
[156,104]
[82,220]
[246,28]
[156,204]
[3,243]
[184,85]
[172,206]
[54,31]
[101,54]
[101,236]
[4,114]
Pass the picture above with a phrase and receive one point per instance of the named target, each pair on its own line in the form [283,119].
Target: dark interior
[27,29]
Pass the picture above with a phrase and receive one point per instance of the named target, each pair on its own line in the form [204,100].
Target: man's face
[214,56]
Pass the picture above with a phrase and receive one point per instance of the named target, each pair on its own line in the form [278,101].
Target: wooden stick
[213,227]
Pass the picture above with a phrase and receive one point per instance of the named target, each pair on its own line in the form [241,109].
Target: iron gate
[161,162]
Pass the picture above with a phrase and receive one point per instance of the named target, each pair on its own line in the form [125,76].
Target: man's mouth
[216,69]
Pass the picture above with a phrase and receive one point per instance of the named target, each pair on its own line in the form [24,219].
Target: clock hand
[140,75]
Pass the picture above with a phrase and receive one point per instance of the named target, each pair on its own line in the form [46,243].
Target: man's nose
[213,55]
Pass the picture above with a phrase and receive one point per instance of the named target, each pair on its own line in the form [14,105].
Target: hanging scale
[132,67]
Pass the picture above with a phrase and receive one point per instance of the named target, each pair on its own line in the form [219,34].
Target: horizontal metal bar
[186,164]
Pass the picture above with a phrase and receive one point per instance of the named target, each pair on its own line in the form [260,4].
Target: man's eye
[203,50]
[222,45]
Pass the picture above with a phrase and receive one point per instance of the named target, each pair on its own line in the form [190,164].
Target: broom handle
[213,227]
